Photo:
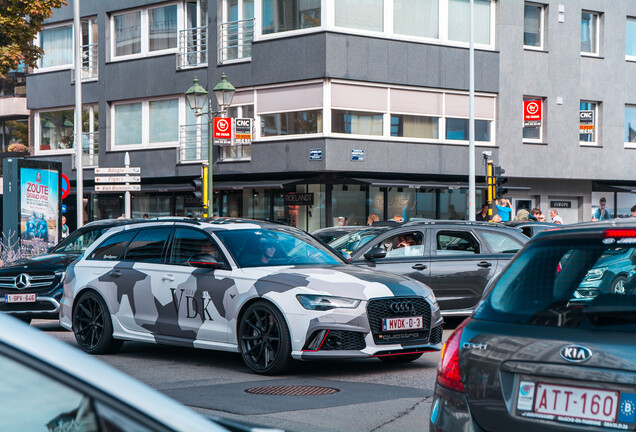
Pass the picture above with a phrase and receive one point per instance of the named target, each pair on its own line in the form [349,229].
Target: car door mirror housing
[204,260]
[375,253]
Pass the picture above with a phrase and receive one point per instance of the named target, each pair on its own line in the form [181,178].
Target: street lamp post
[196,97]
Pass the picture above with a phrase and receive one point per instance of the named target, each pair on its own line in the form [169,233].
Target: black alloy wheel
[92,325]
[402,358]
[264,339]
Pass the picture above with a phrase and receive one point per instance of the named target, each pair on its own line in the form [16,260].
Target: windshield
[79,240]
[579,284]
[355,240]
[276,247]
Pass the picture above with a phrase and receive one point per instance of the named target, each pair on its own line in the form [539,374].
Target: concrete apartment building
[361,103]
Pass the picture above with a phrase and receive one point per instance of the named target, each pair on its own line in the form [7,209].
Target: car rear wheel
[404,358]
[618,286]
[264,339]
[92,325]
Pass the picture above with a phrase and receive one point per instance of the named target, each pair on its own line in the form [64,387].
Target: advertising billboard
[39,204]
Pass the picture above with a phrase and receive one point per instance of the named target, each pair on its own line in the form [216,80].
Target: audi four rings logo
[401,306]
[22,281]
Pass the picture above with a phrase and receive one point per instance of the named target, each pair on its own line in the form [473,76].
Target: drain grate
[292,390]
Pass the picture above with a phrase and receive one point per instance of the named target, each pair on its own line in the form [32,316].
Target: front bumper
[43,307]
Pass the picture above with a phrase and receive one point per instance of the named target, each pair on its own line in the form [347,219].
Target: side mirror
[375,253]
[205,260]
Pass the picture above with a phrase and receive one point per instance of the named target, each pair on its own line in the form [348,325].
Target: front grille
[436,335]
[41,306]
[36,282]
[339,340]
[379,309]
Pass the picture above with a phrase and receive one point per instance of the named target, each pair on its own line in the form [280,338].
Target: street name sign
[118,179]
[118,170]
[118,188]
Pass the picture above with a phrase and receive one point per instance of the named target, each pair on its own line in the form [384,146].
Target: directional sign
[118,170]
[118,179]
[118,188]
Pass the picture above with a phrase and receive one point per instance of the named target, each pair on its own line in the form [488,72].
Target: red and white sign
[222,128]
[532,113]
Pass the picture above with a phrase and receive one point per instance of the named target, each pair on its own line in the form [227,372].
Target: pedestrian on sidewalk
[555,217]
[504,209]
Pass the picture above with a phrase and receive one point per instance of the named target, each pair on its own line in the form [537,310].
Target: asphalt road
[370,396]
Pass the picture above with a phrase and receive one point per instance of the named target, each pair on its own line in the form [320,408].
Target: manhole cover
[292,390]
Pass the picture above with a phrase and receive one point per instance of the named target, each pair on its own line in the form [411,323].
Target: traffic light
[500,181]
[197,193]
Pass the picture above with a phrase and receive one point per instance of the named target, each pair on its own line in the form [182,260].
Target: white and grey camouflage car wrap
[198,307]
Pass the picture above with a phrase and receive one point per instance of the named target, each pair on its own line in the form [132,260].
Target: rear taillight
[618,233]
[448,374]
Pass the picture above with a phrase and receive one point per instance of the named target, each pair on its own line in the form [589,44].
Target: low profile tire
[404,358]
[264,339]
[618,286]
[24,319]
[92,325]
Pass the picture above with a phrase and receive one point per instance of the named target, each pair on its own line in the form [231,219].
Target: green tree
[20,21]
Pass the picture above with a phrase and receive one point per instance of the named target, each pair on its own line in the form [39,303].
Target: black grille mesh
[19,307]
[436,335]
[379,309]
[339,340]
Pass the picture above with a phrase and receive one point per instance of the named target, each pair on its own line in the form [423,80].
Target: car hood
[613,259]
[340,280]
[54,261]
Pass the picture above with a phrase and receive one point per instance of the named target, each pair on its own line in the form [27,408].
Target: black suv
[456,259]
[32,287]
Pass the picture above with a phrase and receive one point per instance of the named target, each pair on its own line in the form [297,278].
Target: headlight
[323,303]
[595,274]
[431,298]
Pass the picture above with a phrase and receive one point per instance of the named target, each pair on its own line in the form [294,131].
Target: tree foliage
[20,21]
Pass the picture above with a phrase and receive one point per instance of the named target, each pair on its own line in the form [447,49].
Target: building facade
[359,105]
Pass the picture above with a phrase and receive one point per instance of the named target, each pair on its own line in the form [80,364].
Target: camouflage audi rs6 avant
[271,292]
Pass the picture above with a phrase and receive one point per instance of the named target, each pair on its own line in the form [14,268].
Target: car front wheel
[618,286]
[92,325]
[264,339]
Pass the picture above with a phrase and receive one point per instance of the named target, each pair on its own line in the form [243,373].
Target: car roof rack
[455,222]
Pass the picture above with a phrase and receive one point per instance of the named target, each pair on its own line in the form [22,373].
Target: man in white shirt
[555,217]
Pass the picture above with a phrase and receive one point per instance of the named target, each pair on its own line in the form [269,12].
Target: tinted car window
[355,240]
[456,243]
[189,242]
[554,283]
[113,246]
[148,245]
[79,241]
[501,243]
[403,245]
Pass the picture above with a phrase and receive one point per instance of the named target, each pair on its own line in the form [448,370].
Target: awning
[267,184]
[429,184]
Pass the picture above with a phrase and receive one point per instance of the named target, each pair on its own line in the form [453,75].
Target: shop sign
[357,155]
[315,154]
[586,122]
[222,128]
[532,113]
[243,131]
[299,198]
[561,204]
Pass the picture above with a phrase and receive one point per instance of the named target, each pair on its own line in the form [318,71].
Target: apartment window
[630,123]
[145,31]
[459,20]
[55,129]
[57,44]
[457,129]
[588,121]
[162,28]
[237,30]
[146,123]
[128,33]
[360,14]
[630,38]
[589,32]
[533,25]
[357,122]
[533,127]
[410,126]
[291,123]
[416,18]
[286,15]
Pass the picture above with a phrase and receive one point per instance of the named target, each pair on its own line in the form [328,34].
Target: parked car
[531,228]
[353,241]
[269,291]
[610,274]
[47,385]
[456,259]
[329,234]
[32,287]
[535,356]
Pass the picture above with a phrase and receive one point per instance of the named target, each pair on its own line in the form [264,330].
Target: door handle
[419,267]
[484,264]
[168,278]
[115,273]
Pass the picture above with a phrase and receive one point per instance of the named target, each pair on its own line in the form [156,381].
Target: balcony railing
[235,40]
[193,47]
[231,152]
[90,150]
[89,61]
[193,142]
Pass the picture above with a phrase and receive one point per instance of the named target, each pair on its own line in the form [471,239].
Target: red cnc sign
[222,128]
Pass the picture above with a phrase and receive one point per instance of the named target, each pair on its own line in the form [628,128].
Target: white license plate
[19,298]
[578,402]
[404,323]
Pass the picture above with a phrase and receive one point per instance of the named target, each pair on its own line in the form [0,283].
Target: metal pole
[471,119]
[79,168]
[210,162]
[127,194]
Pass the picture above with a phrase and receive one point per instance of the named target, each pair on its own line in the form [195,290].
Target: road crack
[401,414]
